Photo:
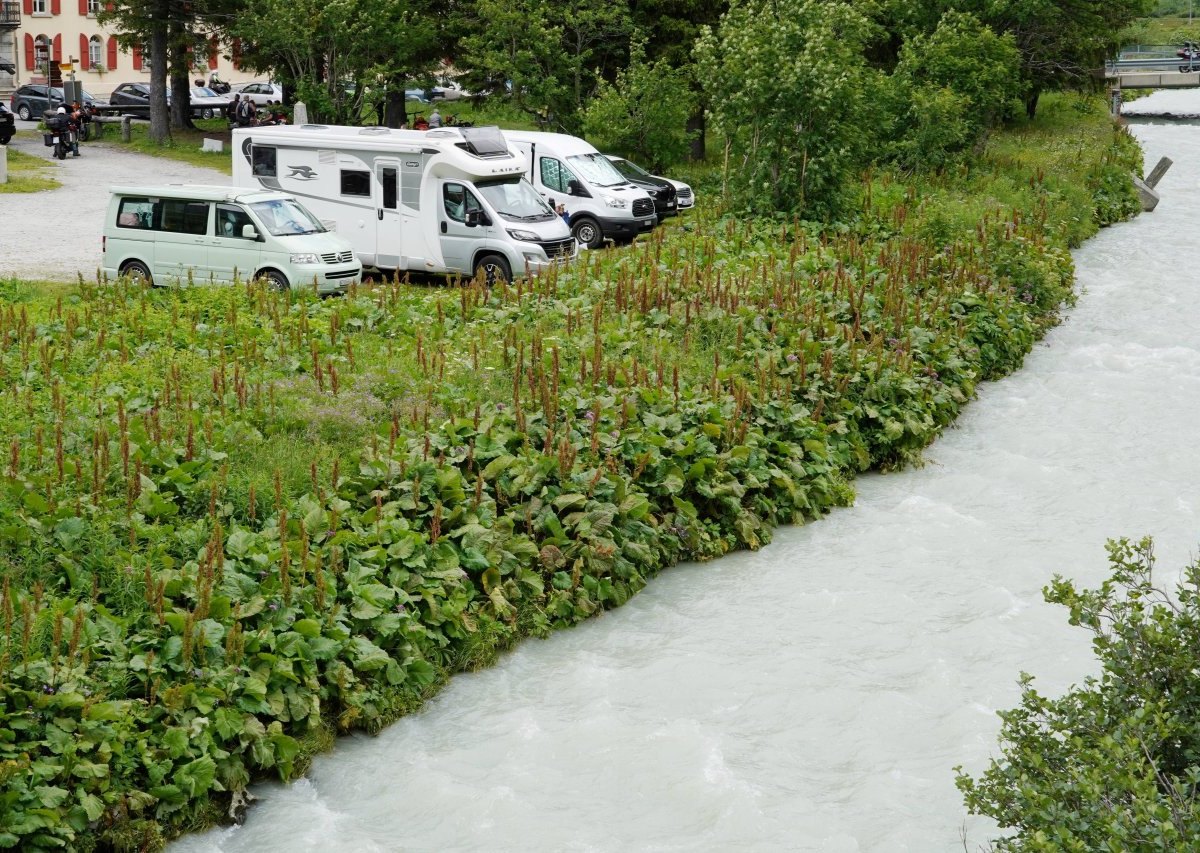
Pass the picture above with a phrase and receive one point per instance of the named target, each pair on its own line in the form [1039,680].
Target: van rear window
[135,213]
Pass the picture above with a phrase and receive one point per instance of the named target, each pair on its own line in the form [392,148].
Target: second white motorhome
[451,201]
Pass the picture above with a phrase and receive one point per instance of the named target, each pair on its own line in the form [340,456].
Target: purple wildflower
[792,358]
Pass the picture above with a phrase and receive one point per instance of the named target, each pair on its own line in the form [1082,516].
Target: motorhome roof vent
[315,126]
[374,130]
[483,141]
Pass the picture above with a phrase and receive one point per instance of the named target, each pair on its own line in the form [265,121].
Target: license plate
[55,140]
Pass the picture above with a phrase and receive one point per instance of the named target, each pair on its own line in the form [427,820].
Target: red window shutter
[55,7]
[84,53]
[112,53]
[83,8]
[237,54]
[28,8]
[29,52]
[108,7]
[58,48]
[137,57]
[213,55]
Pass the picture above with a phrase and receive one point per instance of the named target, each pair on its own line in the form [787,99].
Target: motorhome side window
[356,183]
[554,174]
[184,217]
[262,160]
[459,202]
[135,213]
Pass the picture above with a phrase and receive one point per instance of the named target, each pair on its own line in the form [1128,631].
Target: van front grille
[685,194]
[333,276]
[338,257]
[559,248]
[643,207]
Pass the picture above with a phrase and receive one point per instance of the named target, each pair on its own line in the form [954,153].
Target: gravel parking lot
[55,235]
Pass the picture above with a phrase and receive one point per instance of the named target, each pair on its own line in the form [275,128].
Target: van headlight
[304,258]
[518,234]
[613,201]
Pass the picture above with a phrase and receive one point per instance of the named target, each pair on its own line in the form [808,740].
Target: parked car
[685,199]
[660,189]
[8,125]
[260,93]
[205,102]
[417,95]
[33,99]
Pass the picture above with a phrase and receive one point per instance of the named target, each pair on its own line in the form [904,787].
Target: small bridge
[1153,67]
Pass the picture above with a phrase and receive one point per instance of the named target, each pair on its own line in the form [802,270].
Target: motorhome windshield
[515,199]
[285,216]
[596,169]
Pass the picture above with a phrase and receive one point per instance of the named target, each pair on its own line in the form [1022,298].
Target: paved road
[55,235]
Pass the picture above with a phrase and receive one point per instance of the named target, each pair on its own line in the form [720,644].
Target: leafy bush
[951,86]
[788,91]
[1114,764]
[644,113]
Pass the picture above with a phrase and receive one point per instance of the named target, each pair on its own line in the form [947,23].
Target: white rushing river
[817,694]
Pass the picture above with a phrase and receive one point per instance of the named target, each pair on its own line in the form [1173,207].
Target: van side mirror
[249,232]
[476,217]
[574,187]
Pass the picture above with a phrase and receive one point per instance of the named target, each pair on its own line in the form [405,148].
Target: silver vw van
[182,234]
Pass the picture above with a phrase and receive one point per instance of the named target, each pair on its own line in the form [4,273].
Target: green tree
[1061,41]
[787,89]
[1114,764]
[950,87]
[644,113]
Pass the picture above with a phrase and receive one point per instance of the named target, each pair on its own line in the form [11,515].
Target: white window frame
[41,7]
[93,8]
[95,51]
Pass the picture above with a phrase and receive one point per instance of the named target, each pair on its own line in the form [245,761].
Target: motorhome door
[458,239]
[387,214]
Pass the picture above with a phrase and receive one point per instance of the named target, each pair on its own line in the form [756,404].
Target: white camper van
[601,203]
[453,200]
[180,234]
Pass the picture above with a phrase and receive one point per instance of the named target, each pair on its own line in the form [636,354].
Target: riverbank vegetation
[234,523]
[1111,764]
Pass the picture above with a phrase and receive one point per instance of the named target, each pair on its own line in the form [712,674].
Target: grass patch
[184,145]
[28,174]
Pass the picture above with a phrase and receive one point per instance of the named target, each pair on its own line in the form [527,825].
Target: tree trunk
[160,129]
[1031,103]
[181,96]
[697,125]
[395,113]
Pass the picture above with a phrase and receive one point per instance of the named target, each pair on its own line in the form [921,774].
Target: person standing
[231,111]
[435,119]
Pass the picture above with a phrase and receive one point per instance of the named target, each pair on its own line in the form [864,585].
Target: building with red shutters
[35,34]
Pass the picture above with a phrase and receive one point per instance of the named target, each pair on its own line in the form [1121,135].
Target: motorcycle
[62,136]
[219,86]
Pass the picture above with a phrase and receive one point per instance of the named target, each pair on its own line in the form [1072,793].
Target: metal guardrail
[1173,63]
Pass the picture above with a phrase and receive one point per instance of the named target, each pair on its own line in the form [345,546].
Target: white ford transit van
[180,234]
[600,203]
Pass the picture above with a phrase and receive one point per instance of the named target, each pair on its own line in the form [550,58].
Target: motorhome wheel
[493,269]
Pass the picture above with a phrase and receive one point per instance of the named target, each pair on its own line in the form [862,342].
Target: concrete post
[1158,171]
[1115,101]
[300,113]
[3,164]
[126,129]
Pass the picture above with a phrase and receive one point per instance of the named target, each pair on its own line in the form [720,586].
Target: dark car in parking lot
[135,98]
[33,99]
[7,125]
[660,189]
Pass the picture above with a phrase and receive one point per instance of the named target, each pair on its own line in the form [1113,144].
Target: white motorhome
[184,234]
[600,203]
[453,200]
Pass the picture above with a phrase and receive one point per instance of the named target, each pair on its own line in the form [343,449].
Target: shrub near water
[234,522]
